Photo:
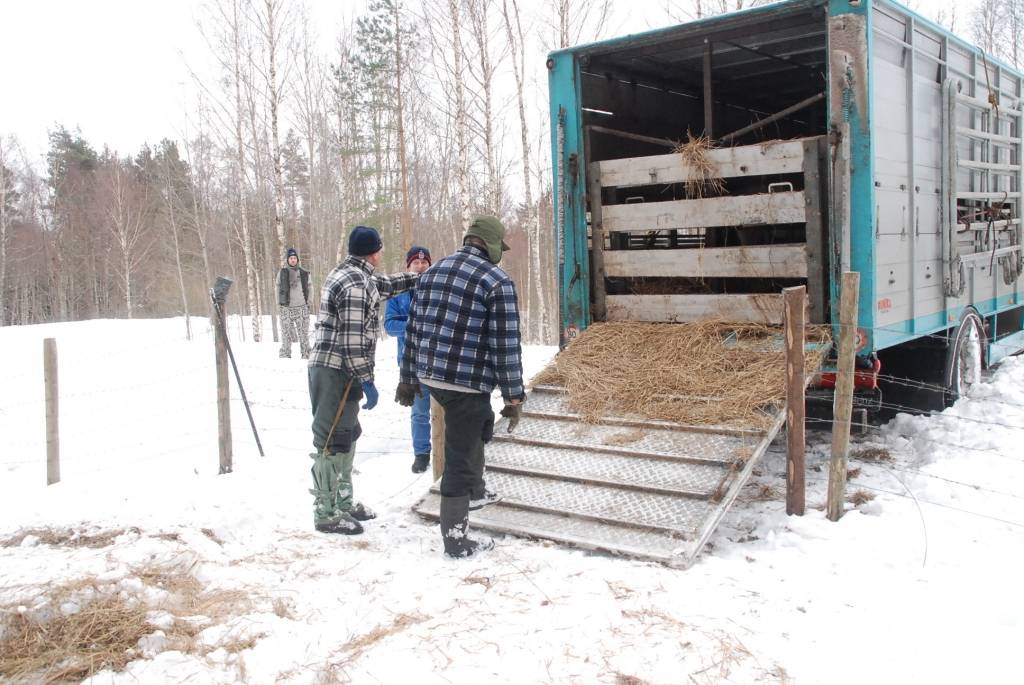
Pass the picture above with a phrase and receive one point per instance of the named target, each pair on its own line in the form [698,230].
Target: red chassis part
[862,378]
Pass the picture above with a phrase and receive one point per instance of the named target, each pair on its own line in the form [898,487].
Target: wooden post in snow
[795,302]
[842,408]
[220,336]
[52,413]
[436,438]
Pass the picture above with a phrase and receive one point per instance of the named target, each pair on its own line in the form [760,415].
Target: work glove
[406,393]
[512,412]
[370,390]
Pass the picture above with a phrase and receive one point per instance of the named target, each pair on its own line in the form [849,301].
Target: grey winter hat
[490,230]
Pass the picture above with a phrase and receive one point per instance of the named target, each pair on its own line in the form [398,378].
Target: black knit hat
[364,241]
[292,252]
[417,252]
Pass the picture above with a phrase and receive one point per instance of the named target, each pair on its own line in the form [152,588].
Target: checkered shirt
[346,331]
[463,326]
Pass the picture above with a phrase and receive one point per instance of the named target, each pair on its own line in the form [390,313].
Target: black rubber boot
[484,499]
[454,529]
[342,524]
[361,512]
[420,463]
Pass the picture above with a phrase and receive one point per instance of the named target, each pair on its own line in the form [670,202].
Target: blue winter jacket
[395,318]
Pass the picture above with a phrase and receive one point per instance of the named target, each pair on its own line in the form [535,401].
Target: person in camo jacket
[293,297]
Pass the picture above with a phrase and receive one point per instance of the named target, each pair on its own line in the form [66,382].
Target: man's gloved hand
[370,390]
[406,393]
[512,410]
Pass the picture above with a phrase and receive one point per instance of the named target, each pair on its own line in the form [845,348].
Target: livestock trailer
[847,135]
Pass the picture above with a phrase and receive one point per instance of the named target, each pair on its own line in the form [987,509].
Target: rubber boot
[343,498]
[420,463]
[327,518]
[454,529]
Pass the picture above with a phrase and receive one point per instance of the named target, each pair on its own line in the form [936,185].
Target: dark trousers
[326,387]
[468,424]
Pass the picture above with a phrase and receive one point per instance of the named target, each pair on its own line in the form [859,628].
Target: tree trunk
[250,267]
[170,200]
[403,166]
[462,173]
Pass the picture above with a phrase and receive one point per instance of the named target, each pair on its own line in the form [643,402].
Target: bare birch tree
[517,48]
[252,274]
[7,194]
[126,209]
[462,146]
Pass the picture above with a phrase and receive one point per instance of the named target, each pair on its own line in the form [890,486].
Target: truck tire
[965,357]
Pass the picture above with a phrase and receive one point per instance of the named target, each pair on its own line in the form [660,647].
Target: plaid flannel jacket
[346,331]
[464,326]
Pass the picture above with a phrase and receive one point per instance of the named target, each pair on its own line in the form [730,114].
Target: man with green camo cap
[462,340]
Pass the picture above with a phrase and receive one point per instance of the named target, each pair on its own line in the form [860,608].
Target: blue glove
[370,390]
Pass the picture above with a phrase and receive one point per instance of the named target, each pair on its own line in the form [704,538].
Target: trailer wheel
[965,357]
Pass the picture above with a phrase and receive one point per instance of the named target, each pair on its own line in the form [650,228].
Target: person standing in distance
[462,340]
[293,298]
[341,373]
[417,260]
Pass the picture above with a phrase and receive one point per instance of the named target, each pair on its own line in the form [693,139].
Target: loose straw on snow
[706,372]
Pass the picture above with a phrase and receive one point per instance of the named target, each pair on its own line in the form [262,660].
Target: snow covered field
[919,584]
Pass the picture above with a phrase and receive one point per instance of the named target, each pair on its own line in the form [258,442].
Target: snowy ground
[919,584]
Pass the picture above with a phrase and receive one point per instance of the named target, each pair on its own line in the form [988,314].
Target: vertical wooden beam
[796,378]
[52,411]
[597,243]
[814,151]
[708,91]
[437,438]
[842,408]
[220,336]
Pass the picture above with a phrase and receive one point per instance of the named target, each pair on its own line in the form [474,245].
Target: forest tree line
[424,113]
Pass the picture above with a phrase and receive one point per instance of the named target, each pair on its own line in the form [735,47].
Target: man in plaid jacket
[341,373]
[462,340]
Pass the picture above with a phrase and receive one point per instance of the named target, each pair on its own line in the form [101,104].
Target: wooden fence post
[52,411]
[796,378]
[436,438]
[842,408]
[223,393]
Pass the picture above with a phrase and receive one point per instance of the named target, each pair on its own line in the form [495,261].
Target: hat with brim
[491,231]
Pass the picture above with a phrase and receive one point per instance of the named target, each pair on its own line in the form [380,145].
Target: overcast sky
[119,69]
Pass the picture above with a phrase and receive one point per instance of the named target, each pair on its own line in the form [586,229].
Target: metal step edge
[493,465]
[510,503]
[640,421]
[608,449]
[628,422]
[676,533]
[428,506]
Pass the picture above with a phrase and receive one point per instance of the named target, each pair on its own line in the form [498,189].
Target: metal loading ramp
[625,485]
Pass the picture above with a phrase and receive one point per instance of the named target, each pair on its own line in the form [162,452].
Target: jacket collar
[360,263]
[476,250]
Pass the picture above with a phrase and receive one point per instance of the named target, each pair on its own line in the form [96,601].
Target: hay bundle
[706,372]
[705,182]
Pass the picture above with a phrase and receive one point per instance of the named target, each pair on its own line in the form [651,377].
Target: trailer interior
[747,83]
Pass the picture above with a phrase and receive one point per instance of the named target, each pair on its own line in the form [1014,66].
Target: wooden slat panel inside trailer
[753,261]
[742,210]
[785,157]
[755,308]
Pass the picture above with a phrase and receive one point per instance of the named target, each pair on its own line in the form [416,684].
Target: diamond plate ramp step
[624,484]
[622,469]
[674,514]
[583,533]
[708,448]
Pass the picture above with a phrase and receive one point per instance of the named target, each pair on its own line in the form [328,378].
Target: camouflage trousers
[294,328]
